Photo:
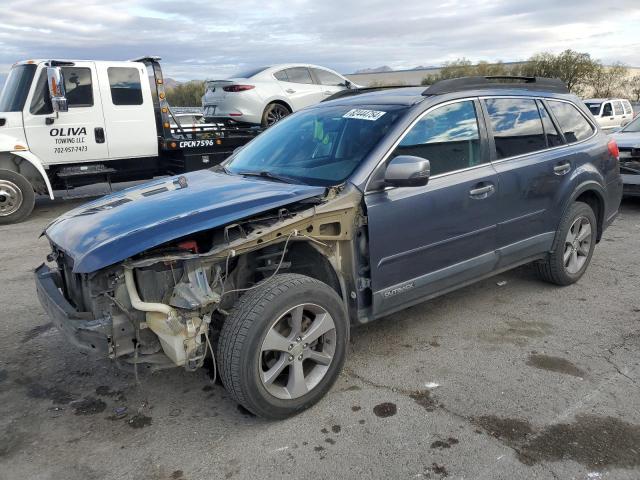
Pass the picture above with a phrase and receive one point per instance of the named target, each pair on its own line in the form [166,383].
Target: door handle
[99,133]
[482,192]
[562,168]
[290,90]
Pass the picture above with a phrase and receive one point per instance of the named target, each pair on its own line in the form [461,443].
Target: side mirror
[348,84]
[56,89]
[407,171]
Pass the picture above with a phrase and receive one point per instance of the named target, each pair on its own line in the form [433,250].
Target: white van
[610,112]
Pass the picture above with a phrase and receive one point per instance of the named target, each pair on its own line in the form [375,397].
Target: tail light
[238,88]
[613,148]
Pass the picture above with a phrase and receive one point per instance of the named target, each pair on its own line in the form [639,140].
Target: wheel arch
[28,165]
[593,194]
[279,101]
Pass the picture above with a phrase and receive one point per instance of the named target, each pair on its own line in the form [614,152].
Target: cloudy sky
[214,38]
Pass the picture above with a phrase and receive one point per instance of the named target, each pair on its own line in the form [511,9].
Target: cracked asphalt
[494,381]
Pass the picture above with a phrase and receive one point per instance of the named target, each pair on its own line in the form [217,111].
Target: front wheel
[17,197]
[283,345]
[573,246]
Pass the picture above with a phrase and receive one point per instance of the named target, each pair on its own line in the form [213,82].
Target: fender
[37,164]
[580,188]
[277,99]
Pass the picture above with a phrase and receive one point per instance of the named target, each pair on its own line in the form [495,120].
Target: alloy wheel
[577,245]
[297,351]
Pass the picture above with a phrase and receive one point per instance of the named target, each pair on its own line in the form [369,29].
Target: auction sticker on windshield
[362,114]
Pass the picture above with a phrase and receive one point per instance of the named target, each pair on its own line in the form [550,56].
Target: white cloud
[204,39]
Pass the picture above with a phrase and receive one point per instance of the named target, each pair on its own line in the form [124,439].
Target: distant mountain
[384,68]
[171,83]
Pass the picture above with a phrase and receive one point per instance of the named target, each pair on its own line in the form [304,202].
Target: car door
[72,136]
[128,110]
[530,172]
[425,240]
[329,81]
[300,89]
[607,119]
[618,112]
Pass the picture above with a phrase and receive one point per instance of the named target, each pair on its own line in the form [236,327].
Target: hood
[118,226]
[627,139]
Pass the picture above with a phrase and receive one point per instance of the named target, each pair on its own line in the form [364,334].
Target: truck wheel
[17,197]
[274,113]
[573,247]
[283,345]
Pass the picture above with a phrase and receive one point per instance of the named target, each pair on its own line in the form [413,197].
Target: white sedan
[265,95]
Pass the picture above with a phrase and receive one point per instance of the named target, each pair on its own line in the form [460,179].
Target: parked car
[265,95]
[339,215]
[610,112]
[628,140]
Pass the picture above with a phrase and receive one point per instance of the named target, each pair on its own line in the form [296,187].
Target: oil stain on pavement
[591,440]
[386,409]
[554,364]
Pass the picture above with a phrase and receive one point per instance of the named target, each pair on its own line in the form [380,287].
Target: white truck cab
[65,123]
[610,112]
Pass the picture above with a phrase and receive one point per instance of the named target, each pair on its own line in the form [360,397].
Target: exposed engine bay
[164,306]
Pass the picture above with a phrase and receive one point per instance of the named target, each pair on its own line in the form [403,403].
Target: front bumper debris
[82,329]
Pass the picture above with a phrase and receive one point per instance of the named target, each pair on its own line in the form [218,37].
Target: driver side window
[448,137]
[607,111]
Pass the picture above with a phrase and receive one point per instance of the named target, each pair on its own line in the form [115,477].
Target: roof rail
[504,81]
[350,92]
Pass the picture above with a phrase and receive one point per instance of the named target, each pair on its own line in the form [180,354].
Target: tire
[556,269]
[17,197]
[245,361]
[273,114]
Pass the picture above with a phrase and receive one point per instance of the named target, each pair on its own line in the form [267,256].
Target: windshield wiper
[272,176]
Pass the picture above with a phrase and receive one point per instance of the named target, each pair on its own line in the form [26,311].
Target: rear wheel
[573,247]
[274,113]
[283,345]
[17,197]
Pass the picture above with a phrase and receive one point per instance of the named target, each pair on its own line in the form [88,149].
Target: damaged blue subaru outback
[340,214]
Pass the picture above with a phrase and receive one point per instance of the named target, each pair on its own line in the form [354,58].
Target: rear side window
[299,75]
[327,78]
[281,75]
[447,136]
[77,86]
[551,132]
[517,126]
[125,86]
[627,107]
[572,123]
[617,108]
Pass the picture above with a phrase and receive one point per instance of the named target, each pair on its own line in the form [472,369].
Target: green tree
[573,68]
[608,81]
[186,94]
[633,87]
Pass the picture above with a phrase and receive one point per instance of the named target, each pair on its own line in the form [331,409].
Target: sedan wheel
[273,114]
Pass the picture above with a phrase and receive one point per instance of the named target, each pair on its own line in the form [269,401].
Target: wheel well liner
[27,165]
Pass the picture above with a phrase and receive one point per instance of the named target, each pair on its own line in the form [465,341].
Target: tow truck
[69,123]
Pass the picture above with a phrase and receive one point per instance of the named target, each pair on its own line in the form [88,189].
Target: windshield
[633,127]
[322,146]
[16,88]
[595,108]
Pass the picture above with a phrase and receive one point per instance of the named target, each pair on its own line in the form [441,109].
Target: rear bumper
[631,185]
[80,328]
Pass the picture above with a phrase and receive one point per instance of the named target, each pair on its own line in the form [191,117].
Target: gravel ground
[509,378]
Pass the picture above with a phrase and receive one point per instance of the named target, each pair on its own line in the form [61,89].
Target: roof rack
[476,83]
[357,91]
